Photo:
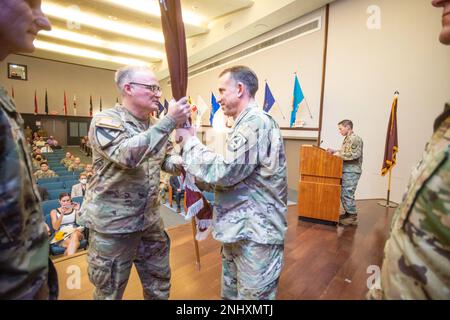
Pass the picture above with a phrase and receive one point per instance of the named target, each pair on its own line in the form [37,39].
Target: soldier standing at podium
[352,154]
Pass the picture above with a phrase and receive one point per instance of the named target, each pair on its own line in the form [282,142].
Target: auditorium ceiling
[110,33]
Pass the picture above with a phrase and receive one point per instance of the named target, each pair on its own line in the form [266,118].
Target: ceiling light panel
[43,45]
[99,43]
[74,16]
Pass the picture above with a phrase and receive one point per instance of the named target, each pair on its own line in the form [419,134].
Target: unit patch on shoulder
[107,130]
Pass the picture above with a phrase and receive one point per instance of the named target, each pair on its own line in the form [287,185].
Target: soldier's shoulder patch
[110,123]
[106,136]
[237,141]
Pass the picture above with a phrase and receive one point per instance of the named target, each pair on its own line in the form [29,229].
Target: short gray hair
[346,123]
[245,75]
[125,75]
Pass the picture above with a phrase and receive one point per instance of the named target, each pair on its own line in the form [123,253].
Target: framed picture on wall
[17,71]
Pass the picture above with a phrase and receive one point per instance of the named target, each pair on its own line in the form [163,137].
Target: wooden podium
[319,189]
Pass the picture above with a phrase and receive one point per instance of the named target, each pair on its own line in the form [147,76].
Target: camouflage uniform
[76,167]
[250,185]
[417,255]
[24,245]
[45,174]
[66,162]
[352,154]
[163,186]
[121,204]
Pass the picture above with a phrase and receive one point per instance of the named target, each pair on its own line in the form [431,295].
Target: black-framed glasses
[152,87]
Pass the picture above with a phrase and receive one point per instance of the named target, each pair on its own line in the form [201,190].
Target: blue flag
[215,106]
[298,99]
[160,108]
[268,99]
[166,106]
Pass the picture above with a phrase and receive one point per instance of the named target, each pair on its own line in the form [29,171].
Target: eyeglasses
[152,87]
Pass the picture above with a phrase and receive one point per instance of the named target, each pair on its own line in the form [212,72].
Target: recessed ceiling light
[99,43]
[152,8]
[97,22]
[43,45]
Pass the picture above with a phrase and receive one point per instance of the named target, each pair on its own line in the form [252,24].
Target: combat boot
[348,219]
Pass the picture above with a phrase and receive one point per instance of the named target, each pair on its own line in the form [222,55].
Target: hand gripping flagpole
[175,45]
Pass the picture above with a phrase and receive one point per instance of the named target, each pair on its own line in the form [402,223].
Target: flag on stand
[65,104]
[101,107]
[391,147]
[268,99]
[160,109]
[46,102]
[90,105]
[298,103]
[74,105]
[214,107]
[35,103]
[197,206]
[166,106]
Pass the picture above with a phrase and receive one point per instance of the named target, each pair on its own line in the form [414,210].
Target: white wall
[365,67]
[57,77]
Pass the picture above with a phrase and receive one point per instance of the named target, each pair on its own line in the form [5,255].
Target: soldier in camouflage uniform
[121,206]
[76,165]
[417,255]
[24,244]
[352,154]
[45,172]
[163,186]
[250,185]
[67,161]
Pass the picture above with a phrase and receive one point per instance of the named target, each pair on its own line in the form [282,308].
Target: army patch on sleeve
[237,142]
[107,130]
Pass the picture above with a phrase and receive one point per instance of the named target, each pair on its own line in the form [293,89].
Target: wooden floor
[321,261]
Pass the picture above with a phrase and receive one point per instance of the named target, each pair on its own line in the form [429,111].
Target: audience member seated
[88,171]
[56,145]
[40,143]
[67,161]
[78,190]
[46,148]
[64,220]
[177,190]
[44,172]
[76,165]
[43,193]
[37,160]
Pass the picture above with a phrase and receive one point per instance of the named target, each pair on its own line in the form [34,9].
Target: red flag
[35,103]
[65,104]
[391,147]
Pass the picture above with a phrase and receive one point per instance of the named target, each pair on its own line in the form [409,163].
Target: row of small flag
[65,105]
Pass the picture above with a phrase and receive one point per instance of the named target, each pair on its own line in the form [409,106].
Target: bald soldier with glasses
[121,207]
